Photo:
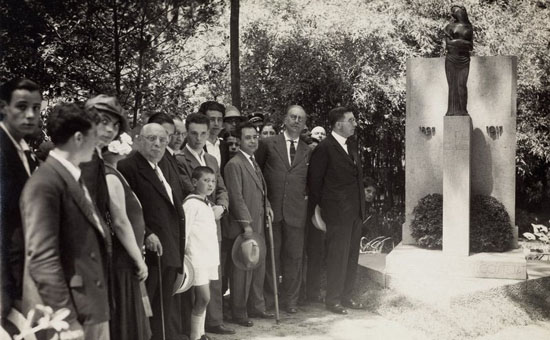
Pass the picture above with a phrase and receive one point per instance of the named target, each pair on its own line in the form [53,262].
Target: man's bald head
[153,139]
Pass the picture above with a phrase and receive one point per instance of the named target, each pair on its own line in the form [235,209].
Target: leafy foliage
[427,225]
[490,226]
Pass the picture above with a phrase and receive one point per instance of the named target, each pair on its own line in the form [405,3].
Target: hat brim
[241,118]
[184,280]
[236,251]
[317,220]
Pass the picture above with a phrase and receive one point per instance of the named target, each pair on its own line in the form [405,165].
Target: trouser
[214,310]
[172,308]
[342,256]
[98,331]
[247,290]
[315,256]
[288,248]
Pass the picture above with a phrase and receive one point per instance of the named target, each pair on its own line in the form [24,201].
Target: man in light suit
[157,191]
[335,181]
[193,154]
[284,161]
[249,209]
[20,104]
[66,242]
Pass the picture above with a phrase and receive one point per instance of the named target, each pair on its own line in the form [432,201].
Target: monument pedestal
[457,133]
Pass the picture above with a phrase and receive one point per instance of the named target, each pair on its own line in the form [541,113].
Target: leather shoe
[243,322]
[291,310]
[262,315]
[337,309]
[204,337]
[352,304]
[220,329]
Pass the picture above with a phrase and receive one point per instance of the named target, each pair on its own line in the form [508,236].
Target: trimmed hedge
[490,226]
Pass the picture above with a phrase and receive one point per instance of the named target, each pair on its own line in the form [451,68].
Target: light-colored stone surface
[457,134]
[409,260]
[491,102]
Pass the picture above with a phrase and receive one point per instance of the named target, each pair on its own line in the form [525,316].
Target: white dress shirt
[198,156]
[214,150]
[163,180]
[287,141]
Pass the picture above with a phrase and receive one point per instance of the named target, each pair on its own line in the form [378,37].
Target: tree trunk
[116,33]
[234,55]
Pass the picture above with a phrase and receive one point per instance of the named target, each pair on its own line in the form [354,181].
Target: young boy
[369,224]
[201,244]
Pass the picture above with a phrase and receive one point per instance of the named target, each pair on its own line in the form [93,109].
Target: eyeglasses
[152,139]
[234,120]
[177,134]
[351,121]
[253,137]
[297,118]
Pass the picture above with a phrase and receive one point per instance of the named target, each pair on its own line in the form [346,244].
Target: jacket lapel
[147,172]
[251,170]
[191,160]
[280,146]
[76,191]
[340,149]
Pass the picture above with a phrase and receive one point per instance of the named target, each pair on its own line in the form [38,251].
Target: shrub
[427,225]
[490,227]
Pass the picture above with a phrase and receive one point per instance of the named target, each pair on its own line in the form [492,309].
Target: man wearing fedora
[335,181]
[249,210]
[284,160]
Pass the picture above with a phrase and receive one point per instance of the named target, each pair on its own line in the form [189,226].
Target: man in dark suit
[335,182]
[249,210]
[197,126]
[157,191]
[284,161]
[214,145]
[20,99]
[66,242]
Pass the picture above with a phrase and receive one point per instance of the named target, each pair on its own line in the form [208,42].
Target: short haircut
[244,125]
[211,106]
[196,118]
[160,118]
[68,118]
[369,182]
[200,171]
[11,86]
[337,114]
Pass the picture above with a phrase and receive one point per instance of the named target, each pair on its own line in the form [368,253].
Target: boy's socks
[203,321]
[196,327]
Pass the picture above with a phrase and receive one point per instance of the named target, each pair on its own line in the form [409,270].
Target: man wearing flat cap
[112,122]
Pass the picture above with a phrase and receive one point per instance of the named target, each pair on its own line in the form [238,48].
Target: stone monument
[459,145]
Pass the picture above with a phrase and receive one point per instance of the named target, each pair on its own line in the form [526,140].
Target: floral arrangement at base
[538,243]
[42,318]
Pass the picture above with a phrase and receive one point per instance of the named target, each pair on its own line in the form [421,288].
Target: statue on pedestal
[459,42]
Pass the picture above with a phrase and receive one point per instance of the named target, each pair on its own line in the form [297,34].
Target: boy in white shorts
[201,244]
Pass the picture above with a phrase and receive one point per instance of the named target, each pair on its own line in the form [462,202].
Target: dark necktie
[256,167]
[350,149]
[31,159]
[292,151]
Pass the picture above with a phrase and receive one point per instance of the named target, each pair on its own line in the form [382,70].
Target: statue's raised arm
[459,36]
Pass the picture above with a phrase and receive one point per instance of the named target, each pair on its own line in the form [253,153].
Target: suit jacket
[286,183]
[219,196]
[164,219]
[336,183]
[13,177]
[247,197]
[184,171]
[224,152]
[67,254]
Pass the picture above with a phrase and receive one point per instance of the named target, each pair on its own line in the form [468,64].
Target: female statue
[459,42]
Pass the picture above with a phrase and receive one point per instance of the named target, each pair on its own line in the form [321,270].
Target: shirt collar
[216,143]
[73,170]
[22,145]
[247,156]
[288,138]
[341,140]
[170,150]
[194,153]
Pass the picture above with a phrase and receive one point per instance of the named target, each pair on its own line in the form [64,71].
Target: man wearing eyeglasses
[284,160]
[335,180]
[179,136]
[157,191]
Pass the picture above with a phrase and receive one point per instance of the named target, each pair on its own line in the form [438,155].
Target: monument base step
[436,288]
[410,259]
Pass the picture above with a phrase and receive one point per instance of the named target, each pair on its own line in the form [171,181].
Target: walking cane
[161,299]
[273,269]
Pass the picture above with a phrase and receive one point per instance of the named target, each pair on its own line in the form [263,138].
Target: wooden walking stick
[161,299]
[273,269]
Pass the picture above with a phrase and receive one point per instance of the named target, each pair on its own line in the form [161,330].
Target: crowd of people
[139,234]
